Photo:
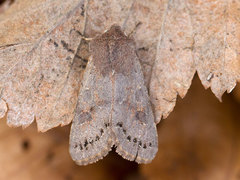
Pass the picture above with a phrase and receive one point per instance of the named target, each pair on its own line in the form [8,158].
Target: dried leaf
[41,79]
[41,55]
[3,108]
[216,30]
[173,69]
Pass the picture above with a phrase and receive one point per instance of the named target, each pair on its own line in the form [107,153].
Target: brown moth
[113,105]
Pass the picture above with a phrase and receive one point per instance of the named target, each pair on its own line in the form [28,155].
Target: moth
[113,107]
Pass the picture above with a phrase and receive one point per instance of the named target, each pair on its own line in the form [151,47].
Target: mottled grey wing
[132,119]
[91,137]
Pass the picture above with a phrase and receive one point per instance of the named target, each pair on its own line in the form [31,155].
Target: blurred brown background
[199,140]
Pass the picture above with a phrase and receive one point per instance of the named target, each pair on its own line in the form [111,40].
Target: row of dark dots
[92,141]
[64,44]
[129,138]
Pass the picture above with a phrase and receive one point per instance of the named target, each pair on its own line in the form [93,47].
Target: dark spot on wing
[107,124]
[80,146]
[101,131]
[140,144]
[135,140]
[91,142]
[119,124]
[129,138]
[144,146]
[85,143]
[84,117]
[97,138]
[141,116]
